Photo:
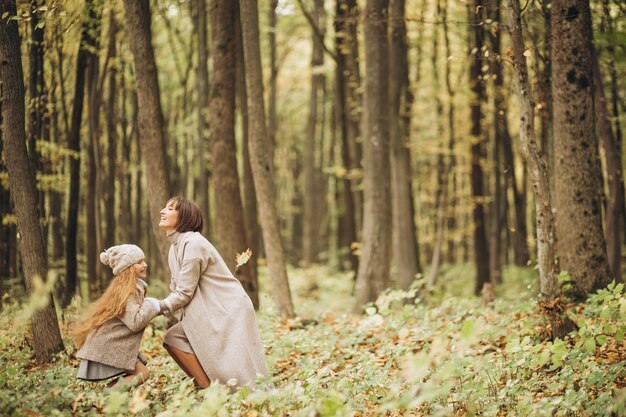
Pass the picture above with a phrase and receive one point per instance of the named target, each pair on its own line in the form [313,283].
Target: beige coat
[116,342]
[219,319]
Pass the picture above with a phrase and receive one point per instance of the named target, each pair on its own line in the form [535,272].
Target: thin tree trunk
[231,232]
[109,195]
[91,25]
[546,244]
[615,197]
[260,161]
[249,200]
[150,117]
[44,323]
[37,106]
[272,118]
[405,253]
[202,87]
[582,249]
[311,229]
[94,236]
[373,274]
[347,230]
[481,249]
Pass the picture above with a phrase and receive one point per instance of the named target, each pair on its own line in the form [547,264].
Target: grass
[450,356]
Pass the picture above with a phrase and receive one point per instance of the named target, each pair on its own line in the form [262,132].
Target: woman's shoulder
[194,241]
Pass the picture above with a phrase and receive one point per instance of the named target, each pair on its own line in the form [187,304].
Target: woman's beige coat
[218,319]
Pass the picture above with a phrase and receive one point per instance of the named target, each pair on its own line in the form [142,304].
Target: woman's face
[140,268]
[169,218]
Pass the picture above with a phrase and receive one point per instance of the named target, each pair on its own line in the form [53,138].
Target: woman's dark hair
[189,215]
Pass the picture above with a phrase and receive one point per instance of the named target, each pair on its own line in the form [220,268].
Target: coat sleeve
[195,260]
[138,315]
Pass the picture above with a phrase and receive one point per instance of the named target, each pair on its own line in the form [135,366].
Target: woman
[218,337]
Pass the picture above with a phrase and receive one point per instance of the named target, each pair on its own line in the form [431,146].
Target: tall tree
[45,326]
[373,274]
[150,116]
[94,236]
[546,241]
[311,229]
[112,110]
[86,48]
[582,250]
[202,89]
[249,195]
[272,117]
[615,196]
[231,232]
[260,161]
[481,249]
[344,27]
[405,254]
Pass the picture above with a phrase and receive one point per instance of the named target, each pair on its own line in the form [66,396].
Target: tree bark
[311,229]
[373,274]
[45,326]
[231,232]
[481,249]
[272,117]
[405,253]
[109,194]
[202,86]
[348,224]
[249,200]
[582,249]
[150,117]
[546,245]
[91,25]
[615,196]
[94,235]
[260,160]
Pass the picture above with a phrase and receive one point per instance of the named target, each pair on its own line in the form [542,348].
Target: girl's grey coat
[218,319]
[116,342]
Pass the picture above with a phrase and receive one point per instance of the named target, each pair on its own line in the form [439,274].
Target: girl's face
[140,269]
[169,218]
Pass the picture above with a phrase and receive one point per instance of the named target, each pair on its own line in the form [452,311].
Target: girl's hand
[154,302]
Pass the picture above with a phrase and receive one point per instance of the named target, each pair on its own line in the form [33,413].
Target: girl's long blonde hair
[111,304]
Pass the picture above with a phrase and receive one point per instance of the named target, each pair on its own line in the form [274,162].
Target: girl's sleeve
[138,315]
[192,265]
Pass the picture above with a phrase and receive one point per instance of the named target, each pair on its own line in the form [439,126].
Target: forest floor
[450,355]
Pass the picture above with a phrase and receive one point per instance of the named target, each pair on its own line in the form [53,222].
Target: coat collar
[174,237]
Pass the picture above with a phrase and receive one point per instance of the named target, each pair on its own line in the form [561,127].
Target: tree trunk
[443,191]
[151,129]
[94,235]
[37,106]
[347,230]
[615,197]
[260,160]
[249,201]
[202,86]
[582,249]
[109,194]
[405,254]
[546,244]
[231,232]
[91,25]
[272,117]
[373,274]
[310,196]
[45,326]
[481,249]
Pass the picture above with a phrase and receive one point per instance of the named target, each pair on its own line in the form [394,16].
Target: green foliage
[455,357]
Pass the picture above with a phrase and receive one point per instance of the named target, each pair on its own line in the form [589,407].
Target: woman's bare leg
[137,377]
[190,364]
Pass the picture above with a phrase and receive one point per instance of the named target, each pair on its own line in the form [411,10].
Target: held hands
[154,302]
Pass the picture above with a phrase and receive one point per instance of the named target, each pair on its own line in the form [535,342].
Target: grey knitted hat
[121,257]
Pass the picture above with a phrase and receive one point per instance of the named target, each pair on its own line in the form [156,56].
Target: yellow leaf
[243,257]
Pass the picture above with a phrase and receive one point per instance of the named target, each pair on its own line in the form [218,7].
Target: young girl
[108,339]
